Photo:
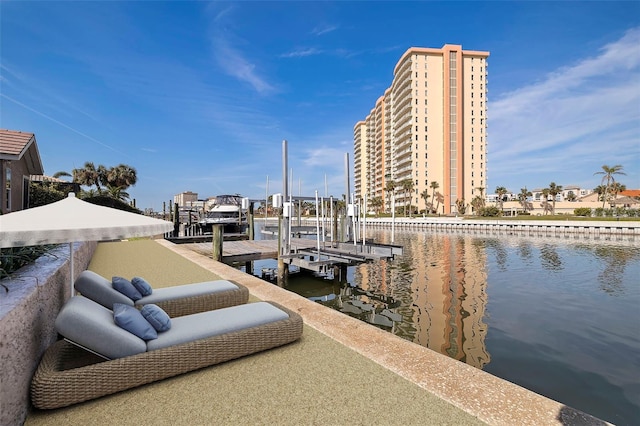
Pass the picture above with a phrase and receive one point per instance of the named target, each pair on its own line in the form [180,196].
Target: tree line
[608,189]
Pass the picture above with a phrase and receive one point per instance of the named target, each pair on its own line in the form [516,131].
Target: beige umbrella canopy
[71,220]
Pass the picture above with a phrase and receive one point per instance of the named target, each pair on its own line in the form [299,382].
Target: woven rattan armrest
[205,302]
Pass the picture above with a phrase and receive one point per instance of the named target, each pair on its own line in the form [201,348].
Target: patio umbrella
[71,220]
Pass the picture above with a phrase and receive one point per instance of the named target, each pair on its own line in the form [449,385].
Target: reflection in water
[559,317]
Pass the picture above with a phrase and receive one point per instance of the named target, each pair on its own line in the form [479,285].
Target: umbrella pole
[71,268]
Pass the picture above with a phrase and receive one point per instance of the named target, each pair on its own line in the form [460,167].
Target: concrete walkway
[342,371]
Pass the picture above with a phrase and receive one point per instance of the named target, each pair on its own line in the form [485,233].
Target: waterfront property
[428,128]
[405,383]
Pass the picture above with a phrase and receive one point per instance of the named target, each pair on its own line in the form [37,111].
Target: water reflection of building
[441,284]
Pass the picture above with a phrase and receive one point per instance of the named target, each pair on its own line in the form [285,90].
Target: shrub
[582,211]
[105,200]
[489,211]
[14,258]
[41,194]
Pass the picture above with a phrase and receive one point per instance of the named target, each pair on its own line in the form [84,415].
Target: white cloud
[323,29]
[299,53]
[576,117]
[324,156]
[229,57]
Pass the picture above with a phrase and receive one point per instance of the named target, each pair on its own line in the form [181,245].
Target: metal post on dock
[266,203]
[393,216]
[283,268]
[364,222]
[317,225]
[346,224]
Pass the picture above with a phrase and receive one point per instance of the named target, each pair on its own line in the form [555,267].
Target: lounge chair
[176,301]
[69,374]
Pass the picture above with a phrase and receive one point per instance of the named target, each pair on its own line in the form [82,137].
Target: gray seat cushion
[187,290]
[100,289]
[91,325]
[212,323]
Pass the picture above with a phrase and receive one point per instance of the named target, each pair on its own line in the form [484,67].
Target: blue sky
[198,96]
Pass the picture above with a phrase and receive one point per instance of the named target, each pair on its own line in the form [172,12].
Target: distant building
[568,193]
[19,158]
[186,199]
[428,126]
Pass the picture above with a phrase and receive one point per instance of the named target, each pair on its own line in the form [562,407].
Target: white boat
[225,210]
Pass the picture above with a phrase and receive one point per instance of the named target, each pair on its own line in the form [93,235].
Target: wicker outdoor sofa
[176,301]
[69,374]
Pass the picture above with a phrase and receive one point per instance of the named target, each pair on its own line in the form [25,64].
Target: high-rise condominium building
[427,132]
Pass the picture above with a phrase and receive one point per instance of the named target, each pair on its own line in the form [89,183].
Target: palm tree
[390,188]
[553,191]
[122,176]
[523,196]
[376,203]
[434,185]
[407,187]
[501,191]
[87,176]
[60,174]
[117,193]
[461,206]
[608,178]
[440,199]
[545,200]
[425,196]
[478,201]
[617,188]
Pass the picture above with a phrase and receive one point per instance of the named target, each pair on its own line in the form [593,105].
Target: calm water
[558,316]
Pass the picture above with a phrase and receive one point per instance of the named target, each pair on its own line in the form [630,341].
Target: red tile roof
[631,192]
[13,144]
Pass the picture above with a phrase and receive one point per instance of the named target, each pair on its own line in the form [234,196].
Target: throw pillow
[125,287]
[142,286]
[157,317]
[130,319]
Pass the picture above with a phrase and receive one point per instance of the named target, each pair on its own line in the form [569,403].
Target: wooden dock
[249,250]
[304,253]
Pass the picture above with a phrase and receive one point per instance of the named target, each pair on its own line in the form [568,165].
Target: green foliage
[14,258]
[582,211]
[461,206]
[39,195]
[107,201]
[489,211]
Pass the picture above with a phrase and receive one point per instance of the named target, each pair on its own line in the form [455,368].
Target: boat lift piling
[325,257]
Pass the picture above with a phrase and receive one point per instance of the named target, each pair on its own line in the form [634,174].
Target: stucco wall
[27,314]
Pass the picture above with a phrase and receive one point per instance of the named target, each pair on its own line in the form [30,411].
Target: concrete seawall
[28,309]
[587,229]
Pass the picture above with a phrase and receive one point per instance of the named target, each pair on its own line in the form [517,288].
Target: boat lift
[327,255]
